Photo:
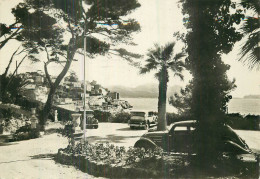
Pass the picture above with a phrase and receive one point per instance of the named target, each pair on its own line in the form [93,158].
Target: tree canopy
[211,33]
[59,29]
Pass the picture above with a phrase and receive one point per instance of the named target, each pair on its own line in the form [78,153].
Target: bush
[102,116]
[25,133]
[121,117]
[28,104]
[68,129]
[111,154]
[7,112]
[172,117]
[237,121]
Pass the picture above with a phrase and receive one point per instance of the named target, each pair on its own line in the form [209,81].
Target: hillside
[142,91]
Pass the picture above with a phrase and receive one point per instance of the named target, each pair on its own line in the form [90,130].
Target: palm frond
[250,51]
[179,56]
[167,51]
[152,65]
[176,66]
[179,75]
[144,70]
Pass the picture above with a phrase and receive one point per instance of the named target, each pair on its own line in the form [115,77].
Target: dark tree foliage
[211,33]
[11,88]
[100,23]
[182,101]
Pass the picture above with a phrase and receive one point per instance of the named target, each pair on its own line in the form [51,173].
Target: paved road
[115,133]
[252,139]
[33,159]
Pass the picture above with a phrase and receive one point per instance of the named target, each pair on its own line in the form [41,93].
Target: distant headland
[252,96]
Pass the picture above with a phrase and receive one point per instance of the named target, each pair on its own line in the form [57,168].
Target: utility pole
[84,94]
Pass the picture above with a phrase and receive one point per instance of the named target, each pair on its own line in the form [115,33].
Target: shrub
[121,117]
[111,154]
[237,121]
[28,104]
[102,116]
[68,129]
[7,111]
[25,133]
[172,117]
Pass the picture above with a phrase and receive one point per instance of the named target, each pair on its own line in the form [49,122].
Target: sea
[236,105]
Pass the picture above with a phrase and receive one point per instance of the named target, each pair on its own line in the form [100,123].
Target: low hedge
[7,111]
[102,116]
[248,122]
[121,117]
[107,160]
[234,120]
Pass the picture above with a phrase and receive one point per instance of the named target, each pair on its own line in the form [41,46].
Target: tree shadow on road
[8,143]
[48,156]
[127,129]
[109,138]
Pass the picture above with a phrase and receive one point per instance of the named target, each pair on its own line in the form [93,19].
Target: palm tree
[161,59]
[250,51]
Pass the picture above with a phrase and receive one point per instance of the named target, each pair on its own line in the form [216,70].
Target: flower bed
[107,160]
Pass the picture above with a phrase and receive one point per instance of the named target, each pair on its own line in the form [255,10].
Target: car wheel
[149,125]
[144,145]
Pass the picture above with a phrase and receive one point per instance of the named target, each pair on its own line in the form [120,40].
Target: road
[252,139]
[34,158]
[122,135]
[115,133]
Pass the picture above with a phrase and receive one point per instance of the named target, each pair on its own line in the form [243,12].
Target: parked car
[180,138]
[142,119]
[91,122]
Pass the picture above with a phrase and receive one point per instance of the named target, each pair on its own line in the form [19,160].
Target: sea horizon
[244,106]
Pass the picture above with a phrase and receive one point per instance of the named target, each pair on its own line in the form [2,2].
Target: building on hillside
[65,100]
[113,95]
[97,87]
[93,83]
[39,80]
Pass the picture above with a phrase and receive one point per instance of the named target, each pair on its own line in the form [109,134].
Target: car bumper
[137,125]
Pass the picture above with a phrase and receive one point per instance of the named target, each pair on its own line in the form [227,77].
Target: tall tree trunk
[163,79]
[48,105]
[3,43]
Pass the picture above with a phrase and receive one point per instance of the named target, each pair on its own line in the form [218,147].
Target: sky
[159,20]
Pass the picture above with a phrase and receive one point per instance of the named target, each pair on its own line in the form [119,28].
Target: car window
[138,114]
[180,128]
[183,128]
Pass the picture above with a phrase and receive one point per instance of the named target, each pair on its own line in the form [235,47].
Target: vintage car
[91,122]
[142,119]
[180,137]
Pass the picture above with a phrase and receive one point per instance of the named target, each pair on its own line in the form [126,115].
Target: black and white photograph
[99,89]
